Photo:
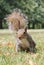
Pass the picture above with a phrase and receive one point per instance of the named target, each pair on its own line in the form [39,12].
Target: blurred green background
[34,10]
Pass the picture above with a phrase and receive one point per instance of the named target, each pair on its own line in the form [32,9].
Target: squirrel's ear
[26,29]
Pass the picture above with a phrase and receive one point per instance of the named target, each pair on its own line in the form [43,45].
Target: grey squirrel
[18,22]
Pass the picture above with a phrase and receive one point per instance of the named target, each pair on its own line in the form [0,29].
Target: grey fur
[22,45]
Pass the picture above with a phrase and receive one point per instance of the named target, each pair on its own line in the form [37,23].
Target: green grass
[8,56]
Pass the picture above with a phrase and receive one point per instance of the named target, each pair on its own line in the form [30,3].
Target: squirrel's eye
[24,32]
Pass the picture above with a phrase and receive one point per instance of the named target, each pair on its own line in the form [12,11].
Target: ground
[8,55]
